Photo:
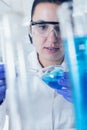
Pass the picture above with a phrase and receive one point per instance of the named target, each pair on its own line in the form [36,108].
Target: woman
[48,109]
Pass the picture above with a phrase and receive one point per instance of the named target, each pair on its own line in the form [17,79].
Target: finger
[1,101]
[66,94]
[2,88]
[64,82]
[66,75]
[68,98]
[2,68]
[2,82]
[2,75]
[62,92]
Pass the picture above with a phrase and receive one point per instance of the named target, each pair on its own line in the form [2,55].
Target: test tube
[11,79]
[73,30]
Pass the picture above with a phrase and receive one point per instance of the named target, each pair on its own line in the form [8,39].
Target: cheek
[61,44]
[62,48]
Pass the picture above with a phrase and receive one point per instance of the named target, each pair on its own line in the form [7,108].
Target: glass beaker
[50,75]
[73,31]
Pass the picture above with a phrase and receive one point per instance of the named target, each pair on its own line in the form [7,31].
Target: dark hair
[36,2]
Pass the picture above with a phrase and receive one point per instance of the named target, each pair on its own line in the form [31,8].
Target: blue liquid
[51,78]
[76,56]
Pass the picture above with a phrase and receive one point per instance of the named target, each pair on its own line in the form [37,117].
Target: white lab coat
[48,109]
[2,114]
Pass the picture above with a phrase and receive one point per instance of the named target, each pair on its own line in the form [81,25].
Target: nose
[52,36]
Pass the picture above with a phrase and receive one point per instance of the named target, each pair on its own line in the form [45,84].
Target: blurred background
[15,11]
[14,28]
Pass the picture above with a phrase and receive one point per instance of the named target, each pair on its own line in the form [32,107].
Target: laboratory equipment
[52,75]
[74,34]
[11,51]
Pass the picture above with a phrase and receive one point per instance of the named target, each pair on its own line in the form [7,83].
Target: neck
[46,63]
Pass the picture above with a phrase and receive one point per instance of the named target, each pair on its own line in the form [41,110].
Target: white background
[22,7]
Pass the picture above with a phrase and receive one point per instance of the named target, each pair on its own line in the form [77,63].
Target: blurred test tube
[74,33]
[10,68]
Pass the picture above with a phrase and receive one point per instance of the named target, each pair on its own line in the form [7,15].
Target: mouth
[51,49]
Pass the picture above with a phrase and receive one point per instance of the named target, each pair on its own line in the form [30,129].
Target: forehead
[46,12]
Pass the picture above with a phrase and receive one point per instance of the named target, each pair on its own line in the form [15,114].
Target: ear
[30,34]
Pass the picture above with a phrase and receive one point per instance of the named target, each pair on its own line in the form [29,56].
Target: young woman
[48,109]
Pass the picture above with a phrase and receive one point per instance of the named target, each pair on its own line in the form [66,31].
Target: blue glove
[65,90]
[58,80]
[2,84]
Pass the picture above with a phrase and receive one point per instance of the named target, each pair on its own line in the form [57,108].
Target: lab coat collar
[34,63]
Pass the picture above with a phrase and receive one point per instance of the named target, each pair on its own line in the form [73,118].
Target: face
[49,47]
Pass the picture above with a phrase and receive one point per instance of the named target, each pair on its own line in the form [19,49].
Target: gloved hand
[58,80]
[2,84]
[65,90]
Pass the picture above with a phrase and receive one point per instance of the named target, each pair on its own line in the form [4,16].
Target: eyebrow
[43,22]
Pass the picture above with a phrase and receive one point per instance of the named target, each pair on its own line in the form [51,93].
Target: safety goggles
[43,28]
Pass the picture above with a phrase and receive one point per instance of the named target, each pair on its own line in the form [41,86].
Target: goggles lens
[44,28]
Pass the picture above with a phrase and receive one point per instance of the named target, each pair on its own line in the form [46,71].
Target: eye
[43,27]
[57,28]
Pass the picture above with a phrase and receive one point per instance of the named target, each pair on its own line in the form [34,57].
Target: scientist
[49,110]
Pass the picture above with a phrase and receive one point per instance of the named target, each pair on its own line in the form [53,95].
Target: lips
[52,49]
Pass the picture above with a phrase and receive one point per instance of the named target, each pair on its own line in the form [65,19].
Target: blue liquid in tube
[76,57]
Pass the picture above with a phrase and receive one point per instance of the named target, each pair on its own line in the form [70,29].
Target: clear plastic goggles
[43,28]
